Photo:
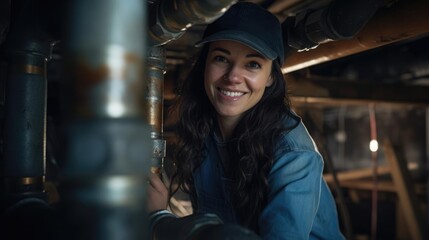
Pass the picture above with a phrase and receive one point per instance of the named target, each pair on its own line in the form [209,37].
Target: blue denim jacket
[300,204]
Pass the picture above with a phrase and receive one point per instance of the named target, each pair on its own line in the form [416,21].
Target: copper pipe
[404,20]
[156,68]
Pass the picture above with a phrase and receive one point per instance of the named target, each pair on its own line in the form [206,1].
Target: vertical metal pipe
[155,100]
[109,145]
[26,51]
[25,125]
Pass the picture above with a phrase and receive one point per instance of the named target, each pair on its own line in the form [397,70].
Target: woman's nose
[233,75]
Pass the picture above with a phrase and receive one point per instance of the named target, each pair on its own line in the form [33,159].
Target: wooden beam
[382,186]
[306,91]
[356,174]
[401,21]
[406,194]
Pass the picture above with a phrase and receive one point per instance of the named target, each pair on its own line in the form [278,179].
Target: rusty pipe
[169,19]
[106,58]
[156,68]
[108,145]
[404,20]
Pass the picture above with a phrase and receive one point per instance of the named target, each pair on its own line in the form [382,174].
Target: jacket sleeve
[294,194]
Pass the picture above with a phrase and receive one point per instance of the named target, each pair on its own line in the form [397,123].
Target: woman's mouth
[231,93]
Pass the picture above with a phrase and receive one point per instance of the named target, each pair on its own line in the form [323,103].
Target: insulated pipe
[339,20]
[169,19]
[26,50]
[108,139]
[156,66]
[25,125]
[403,20]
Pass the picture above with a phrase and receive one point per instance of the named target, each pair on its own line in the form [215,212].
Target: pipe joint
[170,19]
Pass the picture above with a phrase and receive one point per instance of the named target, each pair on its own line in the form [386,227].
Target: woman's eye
[220,59]
[254,65]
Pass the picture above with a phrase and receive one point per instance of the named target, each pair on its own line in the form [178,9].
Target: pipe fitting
[170,19]
[162,34]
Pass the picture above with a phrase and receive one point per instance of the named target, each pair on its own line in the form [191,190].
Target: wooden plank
[356,174]
[362,173]
[402,232]
[383,186]
[406,194]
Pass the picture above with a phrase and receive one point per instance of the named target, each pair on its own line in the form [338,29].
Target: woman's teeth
[231,94]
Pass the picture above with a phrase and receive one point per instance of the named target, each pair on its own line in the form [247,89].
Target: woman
[242,153]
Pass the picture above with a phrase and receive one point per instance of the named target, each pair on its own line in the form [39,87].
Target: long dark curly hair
[251,147]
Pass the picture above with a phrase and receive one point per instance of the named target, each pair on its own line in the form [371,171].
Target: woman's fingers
[157,193]
[157,184]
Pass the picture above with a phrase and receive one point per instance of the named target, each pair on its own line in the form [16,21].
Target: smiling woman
[235,79]
[242,153]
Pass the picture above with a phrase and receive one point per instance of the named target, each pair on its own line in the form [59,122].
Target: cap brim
[244,38]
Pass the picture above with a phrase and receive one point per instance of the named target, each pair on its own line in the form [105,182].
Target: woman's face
[235,77]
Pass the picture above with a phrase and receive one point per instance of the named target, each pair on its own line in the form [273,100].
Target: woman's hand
[157,194]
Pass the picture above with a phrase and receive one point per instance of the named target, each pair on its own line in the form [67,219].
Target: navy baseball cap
[250,24]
